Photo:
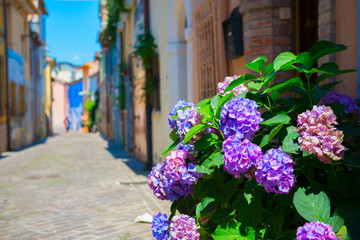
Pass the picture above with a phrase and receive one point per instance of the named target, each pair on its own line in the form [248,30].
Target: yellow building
[3,82]
[50,63]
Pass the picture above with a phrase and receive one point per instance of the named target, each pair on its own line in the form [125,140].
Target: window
[206,47]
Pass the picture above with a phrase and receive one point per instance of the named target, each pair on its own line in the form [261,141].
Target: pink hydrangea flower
[184,227]
[318,134]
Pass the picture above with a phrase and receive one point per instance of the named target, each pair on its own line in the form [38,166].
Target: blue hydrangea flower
[275,171]
[187,147]
[240,116]
[160,227]
[174,178]
[184,227]
[314,231]
[180,104]
[240,156]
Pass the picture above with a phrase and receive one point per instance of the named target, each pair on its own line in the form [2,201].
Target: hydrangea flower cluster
[336,97]
[173,178]
[184,227]
[240,116]
[315,230]
[180,104]
[318,134]
[160,227]
[275,171]
[240,156]
[187,118]
[222,85]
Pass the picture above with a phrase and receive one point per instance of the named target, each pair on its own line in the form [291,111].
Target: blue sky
[71,30]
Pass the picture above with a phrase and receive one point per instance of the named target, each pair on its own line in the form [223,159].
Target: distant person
[67,125]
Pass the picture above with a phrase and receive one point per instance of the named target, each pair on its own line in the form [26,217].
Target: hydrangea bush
[265,158]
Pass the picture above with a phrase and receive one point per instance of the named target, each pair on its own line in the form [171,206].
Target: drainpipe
[7,81]
[148,107]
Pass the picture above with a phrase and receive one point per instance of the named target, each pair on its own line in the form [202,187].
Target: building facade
[194,52]
[25,58]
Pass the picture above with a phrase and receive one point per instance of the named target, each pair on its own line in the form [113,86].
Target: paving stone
[74,187]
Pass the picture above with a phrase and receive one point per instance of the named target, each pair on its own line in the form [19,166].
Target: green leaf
[291,148]
[290,144]
[305,59]
[277,219]
[206,111]
[214,161]
[341,234]
[283,59]
[251,96]
[240,80]
[227,231]
[215,102]
[312,206]
[275,131]
[336,222]
[255,85]
[277,119]
[333,70]
[205,206]
[206,141]
[174,135]
[253,191]
[328,86]
[257,64]
[323,48]
[250,213]
[294,82]
[264,140]
[230,188]
[170,147]
[223,215]
[231,231]
[204,102]
[204,169]
[268,69]
[194,130]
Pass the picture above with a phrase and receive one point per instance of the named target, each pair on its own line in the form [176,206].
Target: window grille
[206,48]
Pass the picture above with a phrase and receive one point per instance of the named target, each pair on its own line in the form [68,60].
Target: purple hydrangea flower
[187,118]
[189,148]
[319,136]
[240,156]
[314,231]
[336,97]
[173,178]
[180,104]
[222,85]
[160,227]
[240,116]
[184,227]
[275,171]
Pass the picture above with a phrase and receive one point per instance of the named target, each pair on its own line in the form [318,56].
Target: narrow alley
[74,187]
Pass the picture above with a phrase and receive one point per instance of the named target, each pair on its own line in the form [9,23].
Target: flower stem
[309,90]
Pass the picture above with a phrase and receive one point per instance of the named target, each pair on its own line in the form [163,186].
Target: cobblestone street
[74,187]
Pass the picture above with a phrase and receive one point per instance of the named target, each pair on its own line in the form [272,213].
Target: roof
[28,6]
[43,7]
